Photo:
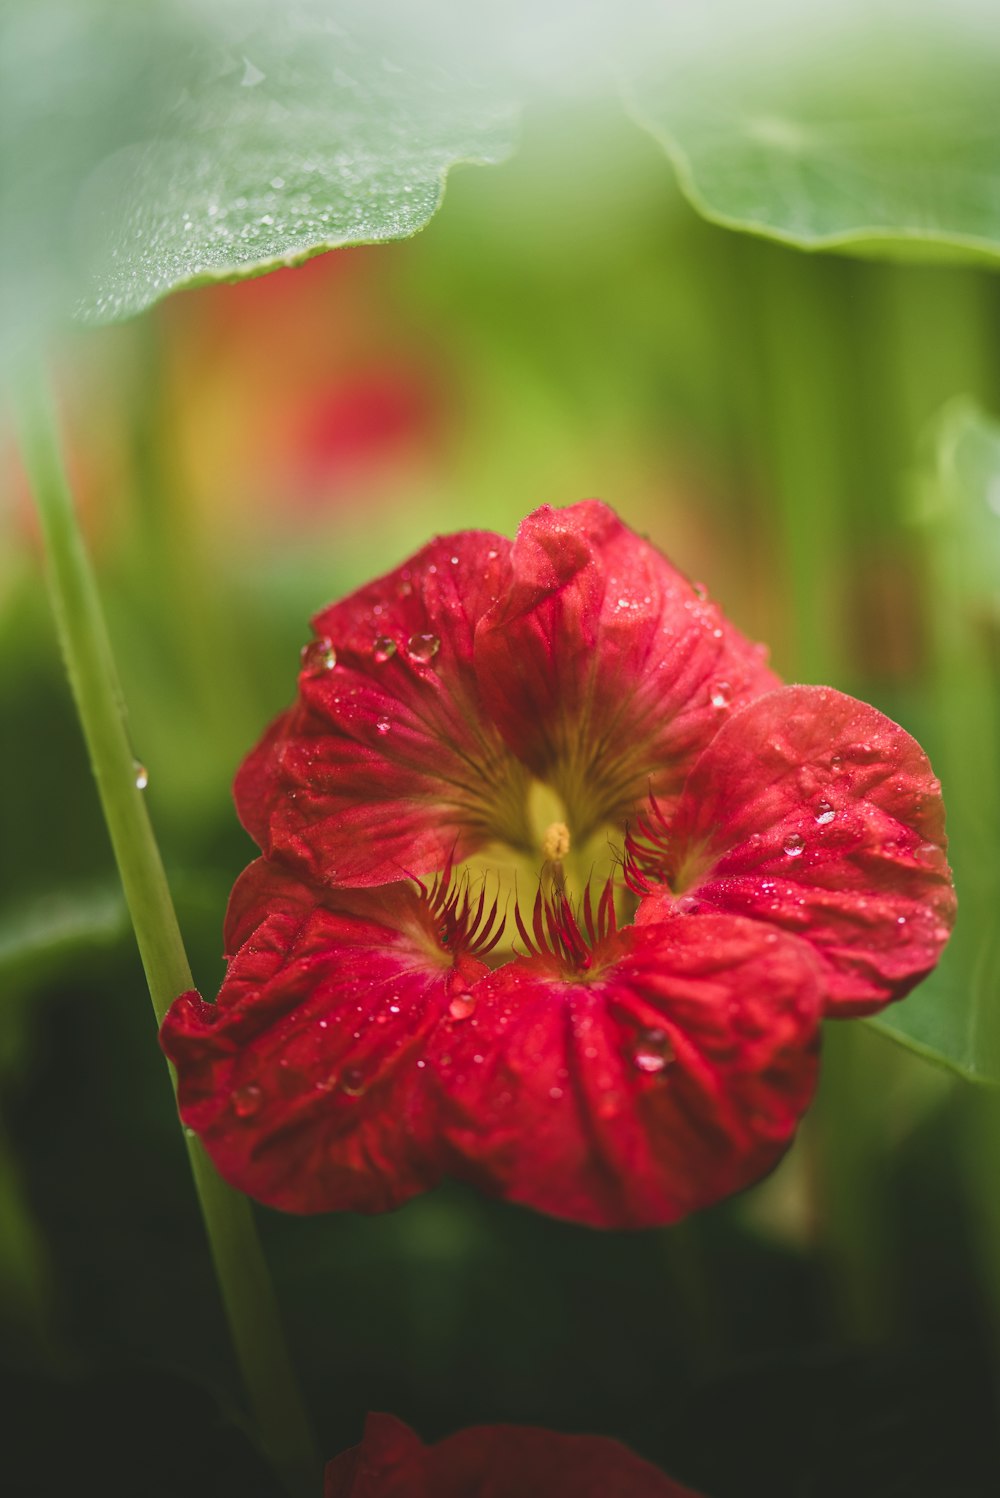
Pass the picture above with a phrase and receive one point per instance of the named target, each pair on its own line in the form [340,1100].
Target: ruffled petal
[492,1461]
[387,764]
[305,1080]
[816,813]
[673,1078]
[604,668]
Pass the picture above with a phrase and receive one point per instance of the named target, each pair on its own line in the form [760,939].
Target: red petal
[305,1080]
[816,813]
[492,1461]
[387,764]
[600,663]
[672,1079]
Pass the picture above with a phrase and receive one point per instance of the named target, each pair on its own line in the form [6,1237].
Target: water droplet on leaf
[141,775]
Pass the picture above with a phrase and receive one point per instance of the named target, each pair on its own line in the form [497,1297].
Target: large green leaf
[871,129]
[309,128]
[955,1016]
[146,149]
[143,149]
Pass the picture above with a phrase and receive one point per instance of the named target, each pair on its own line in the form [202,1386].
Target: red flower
[492,1461]
[558,882]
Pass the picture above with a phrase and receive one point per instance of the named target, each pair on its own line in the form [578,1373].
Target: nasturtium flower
[492,1461]
[558,882]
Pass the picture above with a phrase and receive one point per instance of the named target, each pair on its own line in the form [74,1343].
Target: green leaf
[954,1018]
[867,129]
[311,128]
[51,930]
[150,148]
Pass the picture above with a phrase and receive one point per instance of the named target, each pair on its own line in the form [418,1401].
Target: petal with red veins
[672,1078]
[816,813]
[304,1080]
[387,764]
[492,1461]
[604,668]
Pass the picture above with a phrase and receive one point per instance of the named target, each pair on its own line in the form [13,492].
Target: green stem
[239,1263]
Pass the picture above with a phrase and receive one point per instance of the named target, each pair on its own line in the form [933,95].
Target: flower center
[555,896]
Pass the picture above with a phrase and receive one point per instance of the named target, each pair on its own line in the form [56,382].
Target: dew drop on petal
[382,725]
[555,1093]
[423,647]
[352,1081]
[653,1051]
[700,591]
[721,692]
[247,1100]
[318,656]
[823,812]
[141,775]
[383,650]
[794,844]
[462,1005]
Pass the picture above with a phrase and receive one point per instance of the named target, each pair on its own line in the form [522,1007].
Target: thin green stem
[239,1263]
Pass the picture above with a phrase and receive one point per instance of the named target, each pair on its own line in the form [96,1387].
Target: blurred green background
[810,436]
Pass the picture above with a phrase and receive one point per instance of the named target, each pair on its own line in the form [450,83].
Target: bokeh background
[807,434]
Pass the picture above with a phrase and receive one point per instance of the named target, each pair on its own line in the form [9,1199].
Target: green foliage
[153,151]
[868,130]
[954,1017]
[298,132]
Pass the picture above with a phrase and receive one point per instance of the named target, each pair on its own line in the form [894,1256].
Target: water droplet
[901,920]
[383,650]
[318,656]
[382,725]
[700,591]
[688,905]
[653,1051]
[794,844]
[352,1081]
[141,775]
[721,692]
[835,763]
[555,1093]
[462,1005]
[823,813]
[247,1100]
[423,647]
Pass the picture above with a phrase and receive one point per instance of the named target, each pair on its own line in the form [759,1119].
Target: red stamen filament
[649,860]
